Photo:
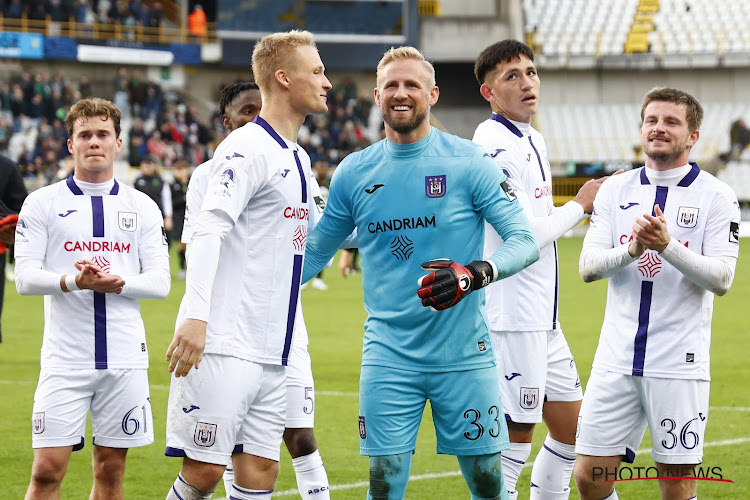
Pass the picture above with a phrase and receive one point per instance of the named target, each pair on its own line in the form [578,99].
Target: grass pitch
[335,320]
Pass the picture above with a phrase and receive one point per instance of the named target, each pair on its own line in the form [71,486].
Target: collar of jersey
[684,182]
[508,124]
[268,128]
[77,190]
[409,150]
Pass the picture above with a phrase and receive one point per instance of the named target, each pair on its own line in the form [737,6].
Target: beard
[663,157]
[407,126]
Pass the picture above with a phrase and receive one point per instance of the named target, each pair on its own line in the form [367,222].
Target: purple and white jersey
[657,322]
[195,194]
[526,301]
[121,231]
[196,191]
[262,182]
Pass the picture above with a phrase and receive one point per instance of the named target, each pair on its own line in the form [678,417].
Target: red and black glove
[450,282]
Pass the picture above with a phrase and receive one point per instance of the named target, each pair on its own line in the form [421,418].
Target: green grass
[335,320]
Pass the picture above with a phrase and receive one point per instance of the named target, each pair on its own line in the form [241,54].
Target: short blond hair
[276,51]
[93,107]
[401,53]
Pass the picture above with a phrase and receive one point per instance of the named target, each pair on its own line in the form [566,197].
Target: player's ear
[693,138]
[486,92]
[282,77]
[70,146]
[376,94]
[434,95]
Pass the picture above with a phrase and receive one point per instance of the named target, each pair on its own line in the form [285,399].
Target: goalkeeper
[12,193]
[416,197]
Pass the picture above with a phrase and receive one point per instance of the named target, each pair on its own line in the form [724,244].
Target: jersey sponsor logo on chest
[296,213]
[96,246]
[542,192]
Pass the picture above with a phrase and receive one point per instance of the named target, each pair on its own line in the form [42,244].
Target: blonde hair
[276,51]
[93,107]
[402,53]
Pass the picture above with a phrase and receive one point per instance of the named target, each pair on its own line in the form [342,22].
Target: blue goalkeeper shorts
[466,411]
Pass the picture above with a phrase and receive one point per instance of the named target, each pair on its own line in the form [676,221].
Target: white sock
[553,466]
[312,480]
[181,490]
[228,479]
[240,493]
[513,461]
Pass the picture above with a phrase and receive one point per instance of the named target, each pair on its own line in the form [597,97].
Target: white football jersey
[262,182]
[196,191]
[121,232]
[195,194]
[526,301]
[657,322]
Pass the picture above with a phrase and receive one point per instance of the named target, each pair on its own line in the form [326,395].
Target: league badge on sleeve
[734,232]
[509,191]
[205,434]
[435,186]
[127,221]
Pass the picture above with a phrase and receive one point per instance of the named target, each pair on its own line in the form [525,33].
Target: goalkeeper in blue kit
[422,196]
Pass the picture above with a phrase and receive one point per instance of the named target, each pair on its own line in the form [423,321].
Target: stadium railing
[105,31]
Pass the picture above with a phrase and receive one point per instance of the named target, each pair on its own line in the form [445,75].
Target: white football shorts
[534,367]
[229,405]
[300,390]
[118,400]
[617,408]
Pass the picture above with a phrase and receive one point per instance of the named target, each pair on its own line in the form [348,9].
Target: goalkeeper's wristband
[483,273]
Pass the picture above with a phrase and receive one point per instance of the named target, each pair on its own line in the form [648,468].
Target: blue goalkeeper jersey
[412,203]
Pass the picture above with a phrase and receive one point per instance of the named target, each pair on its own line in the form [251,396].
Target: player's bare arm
[186,349]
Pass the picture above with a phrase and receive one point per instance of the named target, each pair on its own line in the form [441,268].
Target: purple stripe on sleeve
[641,336]
[293,298]
[538,158]
[100,331]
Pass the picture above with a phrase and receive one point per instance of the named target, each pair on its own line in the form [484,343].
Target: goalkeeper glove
[449,282]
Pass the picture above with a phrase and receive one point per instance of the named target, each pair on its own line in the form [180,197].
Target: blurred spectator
[739,138]
[12,194]
[137,143]
[179,190]
[197,22]
[137,94]
[14,9]
[151,183]
[6,131]
[154,15]
[84,86]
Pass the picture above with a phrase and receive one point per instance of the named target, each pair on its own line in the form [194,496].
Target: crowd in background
[131,13]
[156,123]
